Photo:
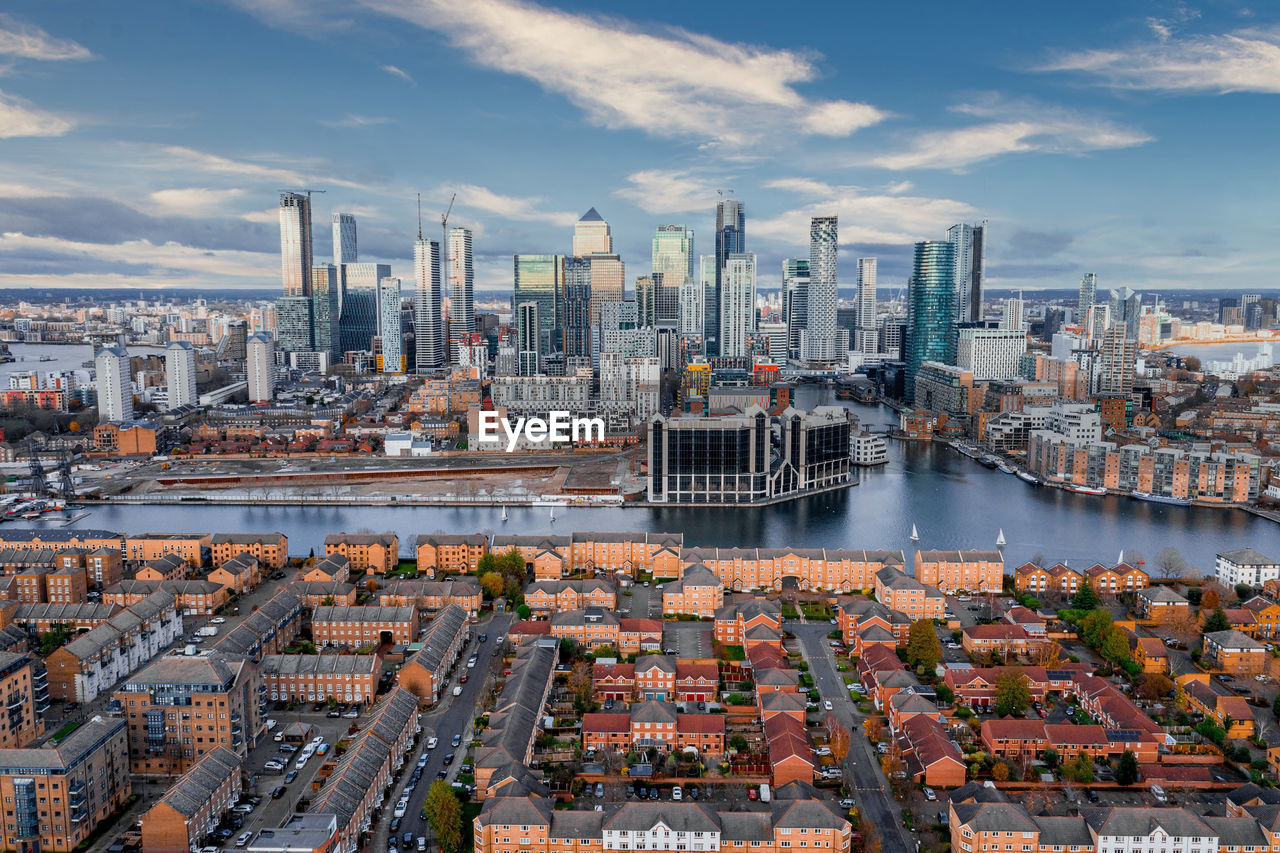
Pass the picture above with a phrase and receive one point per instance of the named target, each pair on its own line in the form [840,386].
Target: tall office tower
[325,311]
[1251,310]
[673,254]
[1116,361]
[818,340]
[261,368]
[428,306]
[1126,307]
[608,282]
[1088,295]
[591,235]
[540,279]
[731,238]
[295,243]
[693,295]
[359,321]
[391,323]
[795,300]
[971,270]
[1096,322]
[867,336]
[180,374]
[930,309]
[232,347]
[344,239]
[114,383]
[1012,314]
[577,307]
[462,279]
[737,303]
[293,323]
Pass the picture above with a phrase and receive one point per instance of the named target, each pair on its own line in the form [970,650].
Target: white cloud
[675,85]
[1244,61]
[662,191]
[1012,127]
[27,41]
[192,201]
[355,120]
[509,207]
[22,118]
[169,262]
[399,72]
[897,218]
[13,190]
[215,164]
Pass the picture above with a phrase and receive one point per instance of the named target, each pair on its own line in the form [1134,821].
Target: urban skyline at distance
[1083,146]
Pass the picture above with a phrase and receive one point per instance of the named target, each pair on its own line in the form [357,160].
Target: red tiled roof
[1013,729]
[601,671]
[526,627]
[597,723]
[706,724]
[1067,733]
[996,632]
[646,626]
[707,671]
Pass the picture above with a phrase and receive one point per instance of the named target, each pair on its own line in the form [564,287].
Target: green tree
[738,743]
[1217,621]
[1012,694]
[444,814]
[923,648]
[523,611]
[1115,646]
[1085,598]
[1094,628]
[1051,758]
[944,694]
[493,583]
[1082,770]
[512,564]
[486,563]
[1127,769]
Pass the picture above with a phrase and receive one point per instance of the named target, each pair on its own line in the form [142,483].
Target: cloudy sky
[143,144]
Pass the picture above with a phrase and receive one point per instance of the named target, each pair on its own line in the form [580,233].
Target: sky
[144,144]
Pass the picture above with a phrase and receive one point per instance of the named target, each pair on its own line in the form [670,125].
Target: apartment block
[544,597]
[697,593]
[194,805]
[1233,652]
[360,627]
[194,548]
[908,595]
[335,568]
[267,630]
[24,688]
[170,567]
[440,553]
[238,574]
[837,570]
[1162,604]
[377,553]
[69,585]
[270,549]
[314,678]
[654,723]
[961,571]
[425,674]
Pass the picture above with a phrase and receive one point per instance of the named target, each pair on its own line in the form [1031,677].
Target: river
[952,500]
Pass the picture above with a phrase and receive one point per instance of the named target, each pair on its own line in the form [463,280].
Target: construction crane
[444,273]
[39,483]
[721,193]
[307,191]
[67,488]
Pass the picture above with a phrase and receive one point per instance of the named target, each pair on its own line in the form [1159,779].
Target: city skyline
[1080,146]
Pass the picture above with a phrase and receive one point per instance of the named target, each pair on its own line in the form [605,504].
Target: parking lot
[734,795]
[644,602]
[689,639]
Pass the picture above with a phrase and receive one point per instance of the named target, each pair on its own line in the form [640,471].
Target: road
[453,717]
[870,786]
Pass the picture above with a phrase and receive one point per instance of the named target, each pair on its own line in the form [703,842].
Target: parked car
[483,637]
[677,793]
[752,793]
[243,839]
[846,803]
[290,776]
[278,792]
[1159,794]
[401,807]
[242,808]
[217,620]
[599,790]
[351,713]
[693,792]
[930,795]
[432,743]
[1092,795]
[827,705]
[288,748]
[274,765]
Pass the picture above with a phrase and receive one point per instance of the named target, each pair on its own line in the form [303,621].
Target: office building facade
[930,309]
[326,308]
[710,460]
[295,243]
[539,280]
[293,323]
[970,262]
[358,323]
[344,239]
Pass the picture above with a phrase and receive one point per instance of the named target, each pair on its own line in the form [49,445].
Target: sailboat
[915,534]
[1120,559]
[504,512]
[553,515]
[1000,539]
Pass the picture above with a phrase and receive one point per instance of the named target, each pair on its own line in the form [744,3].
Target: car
[392,845]
[883,747]
[653,793]
[401,807]
[302,761]
[333,714]
[217,620]
[693,793]
[242,840]
[646,583]
[290,776]
[963,598]
[846,803]
[471,664]
[457,691]
[1092,795]
[457,740]
[278,792]
[408,839]
[351,714]
[448,759]
[208,850]
[670,651]
[464,678]
[827,705]
[832,621]
[822,750]
[631,790]
[482,638]
[501,639]
[1159,794]
[702,706]
[288,748]
[677,793]
[608,704]
[279,736]
[319,706]
[274,765]
[242,808]
[224,834]
[440,774]
[973,608]
[599,790]
[395,827]
[270,724]
[930,795]
[422,843]
[752,793]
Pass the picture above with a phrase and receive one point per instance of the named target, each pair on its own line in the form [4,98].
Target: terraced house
[267,630]
[194,548]
[424,675]
[697,593]
[1035,579]
[654,723]
[56,796]
[315,678]
[909,596]
[192,807]
[361,627]
[194,598]
[270,549]
[544,597]
[506,744]
[838,570]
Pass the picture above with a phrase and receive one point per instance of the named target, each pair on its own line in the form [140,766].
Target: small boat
[1087,490]
[1006,468]
[1029,477]
[504,512]
[915,534]
[1000,543]
[553,515]
[989,462]
[1160,499]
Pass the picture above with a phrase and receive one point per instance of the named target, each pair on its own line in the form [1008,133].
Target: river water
[953,501]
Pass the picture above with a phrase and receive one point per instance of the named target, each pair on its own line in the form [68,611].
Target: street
[870,787]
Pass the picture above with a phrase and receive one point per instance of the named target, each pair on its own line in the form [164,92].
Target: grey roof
[1238,832]
[386,539]
[27,534]
[585,616]
[1232,639]
[363,614]
[211,668]
[441,632]
[1249,792]
[69,752]
[246,538]
[85,612]
[993,817]
[648,662]
[1063,831]
[653,711]
[1246,557]
[814,814]
[581,587]
[746,826]
[1134,822]
[1161,595]
[698,575]
[450,539]
[123,623]
[319,664]
[517,811]
[680,817]
[198,785]
[577,824]
[979,793]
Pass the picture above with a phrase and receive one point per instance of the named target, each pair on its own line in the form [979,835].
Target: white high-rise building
[428,308]
[295,243]
[1012,314]
[114,383]
[180,374]
[390,327]
[990,353]
[737,303]
[819,341]
[692,295]
[1088,296]
[344,239]
[970,243]
[462,277]
[260,367]
[867,339]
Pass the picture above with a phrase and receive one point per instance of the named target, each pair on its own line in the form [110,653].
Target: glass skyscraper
[673,254]
[325,311]
[344,239]
[1088,296]
[795,295]
[930,309]
[970,243]
[462,276]
[358,324]
[428,306]
[539,280]
[295,243]
[577,307]
[731,238]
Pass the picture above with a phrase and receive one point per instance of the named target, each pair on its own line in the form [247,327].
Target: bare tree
[1170,563]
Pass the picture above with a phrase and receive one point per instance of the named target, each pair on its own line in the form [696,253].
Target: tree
[487,563]
[1085,598]
[945,694]
[874,727]
[1154,686]
[1244,591]
[1190,362]
[738,743]
[1127,769]
[1012,694]
[1048,655]
[1051,758]
[1275,706]
[1217,621]
[580,684]
[1210,598]
[1094,628]
[444,814]
[493,584]
[1115,645]
[923,648]
[1000,772]
[1183,629]
[1082,770]
[1170,563]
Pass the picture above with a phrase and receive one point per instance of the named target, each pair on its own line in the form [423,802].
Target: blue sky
[143,144]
